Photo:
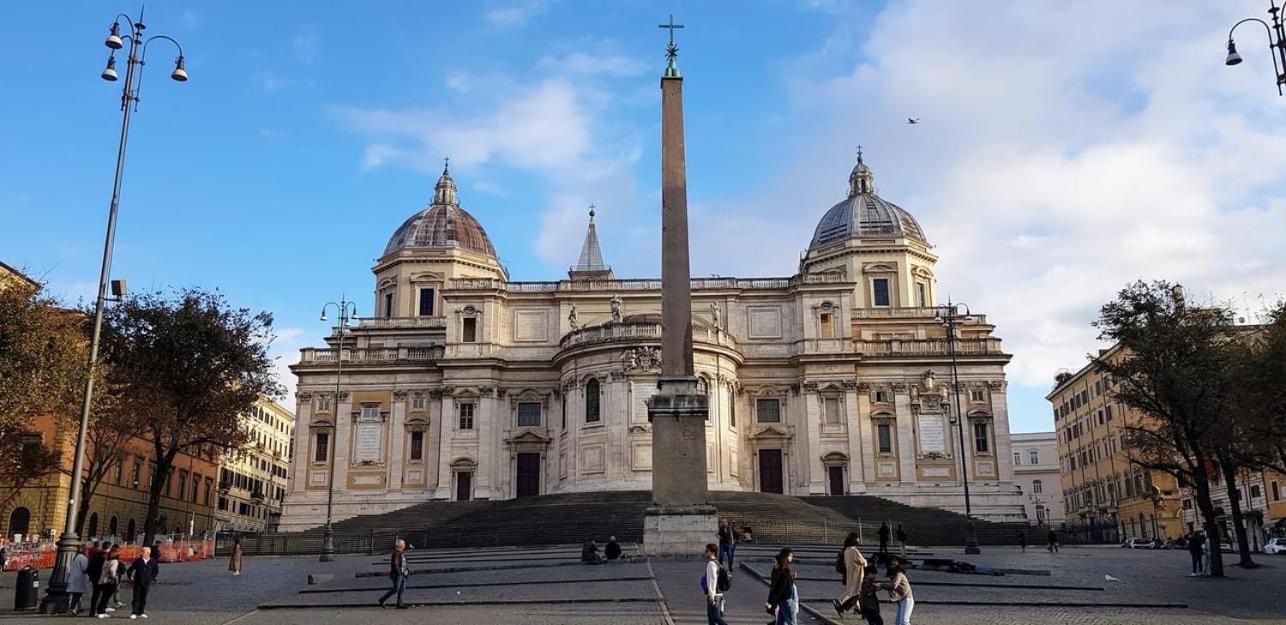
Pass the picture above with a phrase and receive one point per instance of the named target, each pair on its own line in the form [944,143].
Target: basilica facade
[466,385]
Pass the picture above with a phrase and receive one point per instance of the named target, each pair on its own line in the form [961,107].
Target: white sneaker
[133,616]
[142,616]
[109,610]
[104,616]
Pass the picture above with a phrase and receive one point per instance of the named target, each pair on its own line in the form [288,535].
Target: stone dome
[865,214]
[442,224]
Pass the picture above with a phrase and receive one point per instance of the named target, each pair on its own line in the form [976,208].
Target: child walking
[900,592]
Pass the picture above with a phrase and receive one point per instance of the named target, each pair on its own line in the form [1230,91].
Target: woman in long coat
[78,580]
[234,563]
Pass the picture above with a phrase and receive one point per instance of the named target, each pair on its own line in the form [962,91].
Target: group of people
[590,554]
[98,571]
[884,538]
[1199,550]
[859,577]
[1051,541]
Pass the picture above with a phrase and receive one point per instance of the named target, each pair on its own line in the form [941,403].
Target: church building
[465,385]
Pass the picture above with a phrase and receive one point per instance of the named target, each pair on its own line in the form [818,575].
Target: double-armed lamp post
[347,315]
[56,597]
[1276,43]
[949,316]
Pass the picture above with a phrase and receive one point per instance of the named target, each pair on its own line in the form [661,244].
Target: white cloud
[515,13]
[271,81]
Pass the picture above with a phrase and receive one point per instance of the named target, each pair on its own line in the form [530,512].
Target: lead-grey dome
[864,214]
[442,224]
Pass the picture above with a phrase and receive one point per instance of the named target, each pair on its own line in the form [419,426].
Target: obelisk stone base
[682,522]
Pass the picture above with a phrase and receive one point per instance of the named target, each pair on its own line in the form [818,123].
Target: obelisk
[681,521]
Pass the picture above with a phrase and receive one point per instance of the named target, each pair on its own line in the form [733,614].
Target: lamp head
[323,315]
[179,74]
[1233,57]
[109,72]
[114,37]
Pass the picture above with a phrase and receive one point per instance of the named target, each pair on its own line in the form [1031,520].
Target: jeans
[728,551]
[904,611]
[1196,563]
[104,593]
[788,610]
[399,586]
[712,614]
[74,604]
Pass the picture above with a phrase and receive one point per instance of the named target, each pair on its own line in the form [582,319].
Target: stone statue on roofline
[616,308]
[571,319]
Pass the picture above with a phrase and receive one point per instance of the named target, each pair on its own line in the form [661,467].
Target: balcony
[628,332]
[906,312]
[402,322]
[311,355]
[928,347]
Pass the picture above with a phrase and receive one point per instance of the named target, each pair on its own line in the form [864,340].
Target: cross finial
[446,164]
[591,210]
[671,51]
[859,152]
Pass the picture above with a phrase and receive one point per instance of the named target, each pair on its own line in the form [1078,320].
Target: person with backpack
[852,566]
[783,594]
[105,585]
[715,582]
[1052,547]
[95,571]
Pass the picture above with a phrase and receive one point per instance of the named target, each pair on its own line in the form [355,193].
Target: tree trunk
[1207,507]
[159,482]
[1234,504]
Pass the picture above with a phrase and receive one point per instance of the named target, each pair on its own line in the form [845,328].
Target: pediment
[771,432]
[528,437]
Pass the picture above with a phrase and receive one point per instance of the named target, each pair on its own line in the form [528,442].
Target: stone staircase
[927,526]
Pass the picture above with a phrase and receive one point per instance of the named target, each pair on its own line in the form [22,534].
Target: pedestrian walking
[783,593]
[884,537]
[1022,540]
[900,591]
[713,584]
[613,549]
[399,570]
[142,572]
[1052,547]
[238,552]
[727,545]
[78,582]
[107,582]
[1195,540]
[869,597]
[854,568]
[901,535]
[94,571]
[1205,552]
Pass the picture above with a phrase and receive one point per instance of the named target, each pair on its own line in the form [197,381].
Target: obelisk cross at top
[672,50]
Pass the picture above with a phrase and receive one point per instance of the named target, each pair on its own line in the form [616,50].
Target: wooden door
[463,486]
[836,475]
[528,475]
[770,478]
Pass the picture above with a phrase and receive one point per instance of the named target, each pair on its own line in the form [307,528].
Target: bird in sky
[912,120]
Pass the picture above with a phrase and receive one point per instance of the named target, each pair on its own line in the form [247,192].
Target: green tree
[1176,372]
[42,372]
[191,364]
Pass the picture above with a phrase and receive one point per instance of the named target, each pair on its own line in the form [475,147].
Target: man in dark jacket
[142,573]
[613,549]
[1195,551]
[884,537]
[95,571]
[399,570]
[727,545]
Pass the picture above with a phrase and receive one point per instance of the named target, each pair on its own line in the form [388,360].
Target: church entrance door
[528,475]
[463,486]
[836,475]
[770,471]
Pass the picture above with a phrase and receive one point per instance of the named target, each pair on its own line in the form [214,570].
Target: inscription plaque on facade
[368,441]
[933,434]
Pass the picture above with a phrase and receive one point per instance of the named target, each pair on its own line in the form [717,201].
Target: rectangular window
[832,409]
[980,442]
[1018,458]
[528,414]
[1034,456]
[426,302]
[371,411]
[882,397]
[466,416]
[323,403]
[1277,493]
[976,395]
[469,330]
[388,305]
[880,291]
[884,434]
[921,294]
[732,411]
[183,485]
[417,445]
[118,471]
[321,449]
[1254,491]
[209,486]
[223,503]
[768,410]
[417,402]
[827,325]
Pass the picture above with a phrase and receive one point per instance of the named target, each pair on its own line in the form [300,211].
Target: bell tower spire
[590,266]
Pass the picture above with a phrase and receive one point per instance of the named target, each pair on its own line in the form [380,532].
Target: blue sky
[1053,164]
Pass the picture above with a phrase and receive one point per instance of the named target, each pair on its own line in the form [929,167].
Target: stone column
[812,464]
[302,433]
[446,428]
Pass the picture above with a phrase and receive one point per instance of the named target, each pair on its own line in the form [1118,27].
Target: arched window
[112,526]
[591,401]
[1041,515]
[1037,487]
[130,531]
[19,521]
[93,525]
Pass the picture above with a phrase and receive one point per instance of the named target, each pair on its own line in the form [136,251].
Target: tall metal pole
[56,598]
[328,532]
[971,538]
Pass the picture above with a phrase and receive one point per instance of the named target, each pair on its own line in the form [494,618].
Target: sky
[1063,149]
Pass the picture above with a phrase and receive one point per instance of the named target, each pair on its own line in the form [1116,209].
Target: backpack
[724,582]
[839,563]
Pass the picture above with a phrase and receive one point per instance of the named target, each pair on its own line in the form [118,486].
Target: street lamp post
[56,597]
[1276,43]
[347,313]
[949,316]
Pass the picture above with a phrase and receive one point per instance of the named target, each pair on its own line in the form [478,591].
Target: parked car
[1275,546]
[1137,543]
